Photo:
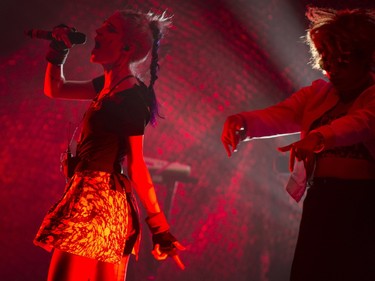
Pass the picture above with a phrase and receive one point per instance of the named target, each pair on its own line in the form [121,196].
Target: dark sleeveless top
[107,124]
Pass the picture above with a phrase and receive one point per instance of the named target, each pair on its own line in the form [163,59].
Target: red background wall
[221,57]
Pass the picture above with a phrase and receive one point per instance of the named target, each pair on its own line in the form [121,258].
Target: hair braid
[145,30]
[154,68]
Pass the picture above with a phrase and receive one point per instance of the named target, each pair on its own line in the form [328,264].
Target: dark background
[220,57]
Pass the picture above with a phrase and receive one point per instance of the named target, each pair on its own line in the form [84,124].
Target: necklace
[97,101]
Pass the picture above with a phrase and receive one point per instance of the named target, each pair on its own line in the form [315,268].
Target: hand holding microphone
[74,37]
[62,39]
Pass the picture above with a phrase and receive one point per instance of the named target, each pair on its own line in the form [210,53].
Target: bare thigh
[69,267]
[111,272]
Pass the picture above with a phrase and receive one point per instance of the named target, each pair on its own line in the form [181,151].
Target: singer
[94,227]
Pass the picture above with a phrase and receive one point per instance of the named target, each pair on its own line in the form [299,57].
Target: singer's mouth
[97,45]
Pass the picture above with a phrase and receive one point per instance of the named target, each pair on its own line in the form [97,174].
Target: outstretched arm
[140,176]
[165,244]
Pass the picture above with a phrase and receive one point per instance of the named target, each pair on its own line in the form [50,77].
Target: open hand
[233,133]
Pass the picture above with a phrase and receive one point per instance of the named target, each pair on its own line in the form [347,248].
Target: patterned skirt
[93,218]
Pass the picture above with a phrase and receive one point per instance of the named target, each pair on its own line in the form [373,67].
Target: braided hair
[154,68]
[146,30]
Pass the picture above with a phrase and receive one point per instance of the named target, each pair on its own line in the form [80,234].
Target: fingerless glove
[160,233]
[165,240]
[58,51]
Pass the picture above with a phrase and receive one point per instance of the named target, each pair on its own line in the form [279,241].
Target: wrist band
[157,223]
[57,57]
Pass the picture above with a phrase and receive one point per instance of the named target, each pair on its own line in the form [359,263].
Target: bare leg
[122,268]
[69,267]
[111,272]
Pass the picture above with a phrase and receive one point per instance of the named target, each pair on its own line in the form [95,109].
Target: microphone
[74,37]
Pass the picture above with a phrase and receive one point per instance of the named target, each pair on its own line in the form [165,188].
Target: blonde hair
[145,30]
